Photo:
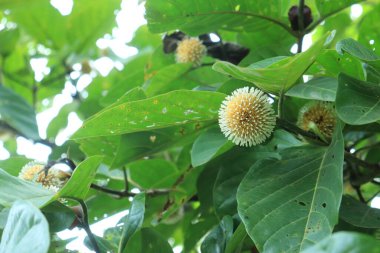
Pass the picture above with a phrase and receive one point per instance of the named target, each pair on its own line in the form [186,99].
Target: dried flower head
[246,117]
[190,50]
[34,172]
[318,117]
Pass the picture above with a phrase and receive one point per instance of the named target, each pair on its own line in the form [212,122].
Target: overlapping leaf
[293,203]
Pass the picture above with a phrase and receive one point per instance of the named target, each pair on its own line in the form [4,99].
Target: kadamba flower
[318,117]
[35,172]
[246,117]
[190,50]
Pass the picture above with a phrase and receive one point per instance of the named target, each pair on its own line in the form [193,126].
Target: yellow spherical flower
[246,117]
[190,50]
[318,117]
[34,172]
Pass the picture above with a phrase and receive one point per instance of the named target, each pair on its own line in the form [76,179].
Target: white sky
[128,20]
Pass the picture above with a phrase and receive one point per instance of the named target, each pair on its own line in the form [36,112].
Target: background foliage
[150,142]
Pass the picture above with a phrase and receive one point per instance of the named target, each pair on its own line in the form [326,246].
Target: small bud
[293,17]
[318,117]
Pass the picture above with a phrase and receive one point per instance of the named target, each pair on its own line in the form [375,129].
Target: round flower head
[318,117]
[190,50]
[35,172]
[246,117]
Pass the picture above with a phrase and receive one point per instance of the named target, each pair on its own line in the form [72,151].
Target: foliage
[150,141]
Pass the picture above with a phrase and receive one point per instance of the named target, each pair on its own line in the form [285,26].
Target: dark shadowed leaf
[357,102]
[359,214]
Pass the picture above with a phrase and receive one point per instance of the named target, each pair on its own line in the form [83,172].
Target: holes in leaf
[324,205]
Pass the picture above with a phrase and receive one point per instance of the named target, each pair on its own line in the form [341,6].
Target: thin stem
[126,187]
[301,25]
[359,193]
[84,222]
[280,107]
[298,131]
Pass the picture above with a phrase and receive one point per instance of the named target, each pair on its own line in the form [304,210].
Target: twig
[298,131]
[360,195]
[126,193]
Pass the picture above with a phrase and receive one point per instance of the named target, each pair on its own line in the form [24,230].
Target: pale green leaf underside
[279,76]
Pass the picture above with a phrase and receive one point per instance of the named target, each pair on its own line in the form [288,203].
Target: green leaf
[8,40]
[26,230]
[133,221]
[323,88]
[359,214]
[13,188]
[217,239]
[357,102]
[59,216]
[327,8]
[280,75]
[148,240]
[292,203]
[81,179]
[104,245]
[357,50]
[343,242]
[170,109]
[18,113]
[153,174]
[208,145]
[166,79]
[14,164]
[237,239]
[73,33]
[197,17]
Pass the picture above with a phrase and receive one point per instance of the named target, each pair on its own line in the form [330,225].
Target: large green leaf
[13,188]
[79,183]
[278,76]
[18,113]
[359,214]
[357,102]
[133,220]
[344,242]
[323,88]
[217,239]
[26,230]
[291,204]
[197,17]
[171,109]
[73,33]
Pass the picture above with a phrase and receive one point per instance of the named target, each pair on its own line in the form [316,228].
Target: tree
[215,136]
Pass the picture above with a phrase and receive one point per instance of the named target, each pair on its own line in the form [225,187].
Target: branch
[84,223]
[126,193]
